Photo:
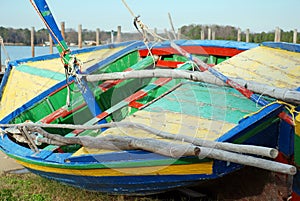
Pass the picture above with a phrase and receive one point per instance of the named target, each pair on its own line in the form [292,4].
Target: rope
[289,107]
[4,49]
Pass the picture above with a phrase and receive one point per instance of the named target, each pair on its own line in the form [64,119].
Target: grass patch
[30,187]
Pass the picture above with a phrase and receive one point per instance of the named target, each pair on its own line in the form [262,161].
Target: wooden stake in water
[80,36]
[247,35]
[32,42]
[62,25]
[295,36]
[50,44]
[97,36]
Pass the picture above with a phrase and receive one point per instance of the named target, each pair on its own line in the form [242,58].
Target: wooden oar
[70,62]
[244,91]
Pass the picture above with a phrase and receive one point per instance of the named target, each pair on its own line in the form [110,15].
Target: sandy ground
[7,164]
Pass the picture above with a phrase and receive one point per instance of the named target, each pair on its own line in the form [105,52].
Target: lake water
[20,52]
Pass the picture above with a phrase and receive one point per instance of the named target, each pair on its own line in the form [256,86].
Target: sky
[257,15]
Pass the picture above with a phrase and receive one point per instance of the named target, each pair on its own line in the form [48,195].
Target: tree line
[22,36]
[231,33]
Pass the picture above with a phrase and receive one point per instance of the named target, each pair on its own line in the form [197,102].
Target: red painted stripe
[54,115]
[109,84]
[102,115]
[61,112]
[135,104]
[241,89]
[295,197]
[168,64]
[217,51]
[282,158]
[136,96]
[77,132]
[284,116]
[57,90]
[162,81]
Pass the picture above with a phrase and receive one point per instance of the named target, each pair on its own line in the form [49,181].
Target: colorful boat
[35,94]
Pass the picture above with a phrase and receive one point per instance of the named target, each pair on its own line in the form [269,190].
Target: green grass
[30,187]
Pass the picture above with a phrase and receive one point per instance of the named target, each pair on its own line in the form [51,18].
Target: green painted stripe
[121,164]
[297,150]
[41,72]
[46,13]
[206,101]
[256,130]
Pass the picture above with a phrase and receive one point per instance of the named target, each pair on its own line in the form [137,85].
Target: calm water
[20,52]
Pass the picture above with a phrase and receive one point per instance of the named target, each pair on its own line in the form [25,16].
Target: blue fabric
[284,46]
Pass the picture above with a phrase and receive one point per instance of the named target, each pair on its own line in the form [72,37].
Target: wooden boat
[153,134]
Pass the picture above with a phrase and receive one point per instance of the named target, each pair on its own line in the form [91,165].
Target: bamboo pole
[287,95]
[172,26]
[50,44]
[63,30]
[97,36]
[246,149]
[32,42]
[170,149]
[79,36]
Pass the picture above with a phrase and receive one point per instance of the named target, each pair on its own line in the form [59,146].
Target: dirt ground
[7,164]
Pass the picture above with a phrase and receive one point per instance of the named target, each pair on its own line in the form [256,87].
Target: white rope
[4,49]
[172,26]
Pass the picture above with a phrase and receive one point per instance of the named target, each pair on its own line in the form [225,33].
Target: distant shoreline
[20,44]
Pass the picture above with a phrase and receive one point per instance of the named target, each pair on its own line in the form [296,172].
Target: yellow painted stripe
[297,126]
[199,168]
[265,65]
[171,122]
[88,59]
[20,88]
